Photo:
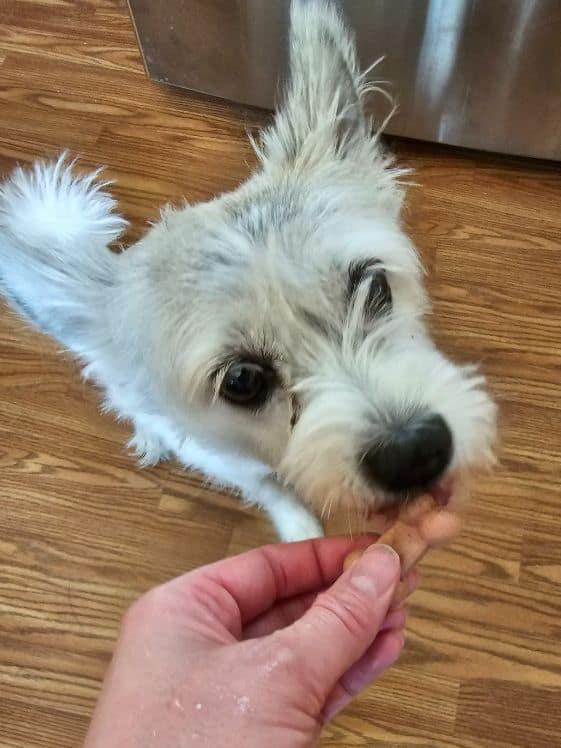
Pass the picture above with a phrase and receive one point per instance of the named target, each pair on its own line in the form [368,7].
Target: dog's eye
[247,383]
[379,299]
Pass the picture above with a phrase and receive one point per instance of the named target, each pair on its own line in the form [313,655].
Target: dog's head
[286,320]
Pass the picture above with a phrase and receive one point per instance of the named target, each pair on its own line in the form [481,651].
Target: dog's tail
[324,101]
[56,268]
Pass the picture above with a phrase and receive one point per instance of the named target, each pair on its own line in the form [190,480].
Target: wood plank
[84,530]
[485,708]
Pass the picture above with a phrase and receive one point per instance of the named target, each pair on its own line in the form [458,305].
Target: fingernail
[379,566]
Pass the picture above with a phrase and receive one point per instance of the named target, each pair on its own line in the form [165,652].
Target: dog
[274,338]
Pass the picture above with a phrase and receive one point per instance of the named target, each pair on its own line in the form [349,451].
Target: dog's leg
[291,519]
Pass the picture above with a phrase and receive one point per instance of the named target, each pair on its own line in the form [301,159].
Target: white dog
[272,338]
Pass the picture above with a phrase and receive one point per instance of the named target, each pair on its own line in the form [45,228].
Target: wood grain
[84,531]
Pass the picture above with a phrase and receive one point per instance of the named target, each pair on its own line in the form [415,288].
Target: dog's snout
[414,456]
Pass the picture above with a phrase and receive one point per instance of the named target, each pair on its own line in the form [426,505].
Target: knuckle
[143,609]
[278,656]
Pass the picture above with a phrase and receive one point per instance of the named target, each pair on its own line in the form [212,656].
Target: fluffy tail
[55,266]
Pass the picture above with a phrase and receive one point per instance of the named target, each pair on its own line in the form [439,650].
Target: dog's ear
[322,114]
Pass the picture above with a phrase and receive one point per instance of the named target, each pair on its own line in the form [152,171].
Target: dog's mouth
[441,491]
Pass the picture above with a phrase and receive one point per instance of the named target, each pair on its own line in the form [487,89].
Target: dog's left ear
[322,115]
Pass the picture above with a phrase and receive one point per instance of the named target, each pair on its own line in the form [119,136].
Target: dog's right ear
[322,115]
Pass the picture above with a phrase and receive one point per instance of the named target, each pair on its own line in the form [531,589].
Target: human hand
[256,650]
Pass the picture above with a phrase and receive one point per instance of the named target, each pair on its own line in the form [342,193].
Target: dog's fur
[281,270]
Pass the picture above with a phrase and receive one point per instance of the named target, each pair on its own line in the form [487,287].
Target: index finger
[256,580]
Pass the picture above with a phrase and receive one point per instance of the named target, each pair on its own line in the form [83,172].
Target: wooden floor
[83,531]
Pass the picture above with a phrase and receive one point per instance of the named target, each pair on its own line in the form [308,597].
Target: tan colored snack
[439,528]
[419,527]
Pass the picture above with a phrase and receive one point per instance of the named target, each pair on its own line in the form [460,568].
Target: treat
[419,526]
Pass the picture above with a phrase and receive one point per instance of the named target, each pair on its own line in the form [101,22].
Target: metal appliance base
[482,74]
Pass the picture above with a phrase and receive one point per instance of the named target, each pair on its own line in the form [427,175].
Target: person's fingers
[345,619]
[395,619]
[406,587]
[379,657]
[238,589]
[286,612]
[279,616]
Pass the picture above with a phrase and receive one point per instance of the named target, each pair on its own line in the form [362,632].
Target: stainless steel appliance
[482,74]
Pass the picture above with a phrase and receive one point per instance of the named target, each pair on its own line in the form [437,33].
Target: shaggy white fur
[273,338]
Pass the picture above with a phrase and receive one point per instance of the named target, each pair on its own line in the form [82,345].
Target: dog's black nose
[413,457]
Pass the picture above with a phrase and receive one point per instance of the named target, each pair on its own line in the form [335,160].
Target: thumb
[344,620]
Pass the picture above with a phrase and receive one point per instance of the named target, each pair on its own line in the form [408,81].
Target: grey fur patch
[321,325]
[272,209]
